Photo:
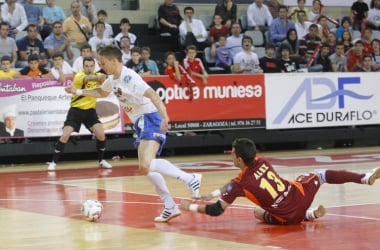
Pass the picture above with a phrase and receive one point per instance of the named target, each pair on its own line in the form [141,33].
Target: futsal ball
[92,210]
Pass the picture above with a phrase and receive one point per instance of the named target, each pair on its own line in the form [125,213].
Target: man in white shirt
[302,26]
[246,61]
[259,16]
[14,14]
[192,31]
[99,41]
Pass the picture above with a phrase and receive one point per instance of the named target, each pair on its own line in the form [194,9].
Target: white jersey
[132,88]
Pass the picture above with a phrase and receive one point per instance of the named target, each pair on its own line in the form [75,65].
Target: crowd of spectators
[295,38]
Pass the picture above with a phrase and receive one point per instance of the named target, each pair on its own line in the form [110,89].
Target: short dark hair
[85,46]
[270,46]
[33,57]
[188,8]
[6,58]
[102,12]
[191,47]
[135,50]
[124,20]
[88,59]
[110,52]
[246,38]
[99,22]
[58,54]
[245,149]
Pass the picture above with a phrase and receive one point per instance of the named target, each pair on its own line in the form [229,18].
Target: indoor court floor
[41,209]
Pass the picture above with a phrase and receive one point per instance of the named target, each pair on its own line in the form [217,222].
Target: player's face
[107,65]
[33,65]
[89,67]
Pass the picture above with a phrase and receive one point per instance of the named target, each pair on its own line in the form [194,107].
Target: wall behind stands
[148,10]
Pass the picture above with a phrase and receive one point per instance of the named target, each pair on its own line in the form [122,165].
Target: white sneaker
[104,164]
[52,165]
[195,185]
[370,177]
[168,214]
[315,213]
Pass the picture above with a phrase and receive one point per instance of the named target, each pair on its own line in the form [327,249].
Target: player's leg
[60,146]
[146,153]
[98,131]
[343,176]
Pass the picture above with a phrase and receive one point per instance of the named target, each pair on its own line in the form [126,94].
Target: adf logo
[337,94]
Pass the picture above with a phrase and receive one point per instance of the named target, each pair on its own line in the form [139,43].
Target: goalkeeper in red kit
[279,201]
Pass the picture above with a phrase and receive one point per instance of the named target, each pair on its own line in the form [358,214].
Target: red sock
[342,176]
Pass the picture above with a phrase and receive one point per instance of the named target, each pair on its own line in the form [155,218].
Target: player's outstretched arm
[97,92]
[214,194]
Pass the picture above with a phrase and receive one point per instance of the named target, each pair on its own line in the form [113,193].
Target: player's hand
[70,90]
[185,205]
[165,126]
[206,197]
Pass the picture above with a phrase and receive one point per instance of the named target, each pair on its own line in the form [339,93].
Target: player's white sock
[161,189]
[166,168]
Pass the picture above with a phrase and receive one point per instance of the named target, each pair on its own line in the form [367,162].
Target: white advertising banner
[40,107]
[321,100]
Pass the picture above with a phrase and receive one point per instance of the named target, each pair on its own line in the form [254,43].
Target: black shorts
[75,118]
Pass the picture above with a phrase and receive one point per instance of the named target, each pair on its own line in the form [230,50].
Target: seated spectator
[136,63]
[57,42]
[246,61]
[287,64]
[355,58]
[324,29]
[259,17]
[7,44]
[34,70]
[367,64]
[227,9]
[173,69]
[323,58]
[217,29]
[88,9]
[302,26]
[346,39]
[295,11]
[359,12]
[99,41]
[234,41]
[51,13]
[14,14]
[152,65]
[193,65]
[376,54]
[280,26]
[294,45]
[30,45]
[125,49]
[77,27]
[61,69]
[373,20]
[338,59]
[269,63]
[125,26]
[223,57]
[169,18]
[34,14]
[274,7]
[311,40]
[367,40]
[316,11]
[344,26]
[331,41]
[6,72]
[85,51]
[192,31]
[102,17]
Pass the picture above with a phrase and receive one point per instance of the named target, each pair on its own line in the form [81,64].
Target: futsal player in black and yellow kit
[82,110]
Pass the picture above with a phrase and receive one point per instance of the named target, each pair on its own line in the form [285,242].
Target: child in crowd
[108,31]
[7,72]
[194,65]
[125,26]
[125,47]
[61,69]
[218,29]
[173,68]
[99,40]
[85,51]
[136,63]
[34,70]
[222,54]
[151,65]
[269,63]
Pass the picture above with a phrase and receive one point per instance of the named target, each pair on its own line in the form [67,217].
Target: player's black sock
[101,147]
[59,147]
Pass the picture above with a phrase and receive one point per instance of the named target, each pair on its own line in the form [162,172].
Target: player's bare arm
[214,194]
[97,78]
[97,92]
[155,98]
